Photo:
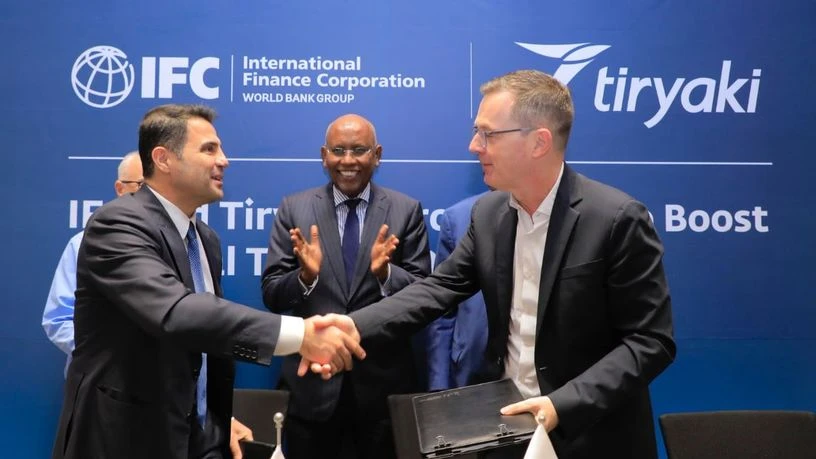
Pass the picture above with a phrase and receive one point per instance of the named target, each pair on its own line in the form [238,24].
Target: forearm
[282,292]
[280,286]
[61,334]
[611,382]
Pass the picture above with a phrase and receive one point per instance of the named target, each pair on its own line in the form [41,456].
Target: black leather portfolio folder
[467,419]
[256,449]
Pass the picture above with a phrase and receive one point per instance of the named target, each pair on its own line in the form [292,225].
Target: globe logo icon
[102,76]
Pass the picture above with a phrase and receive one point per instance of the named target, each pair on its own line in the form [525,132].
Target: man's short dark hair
[166,126]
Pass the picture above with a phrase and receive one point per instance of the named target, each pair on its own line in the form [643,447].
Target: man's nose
[476,146]
[222,160]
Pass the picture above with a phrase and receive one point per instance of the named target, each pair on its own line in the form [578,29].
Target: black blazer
[140,331]
[604,328]
[387,369]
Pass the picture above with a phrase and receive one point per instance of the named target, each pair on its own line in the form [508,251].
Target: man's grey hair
[123,164]
[539,98]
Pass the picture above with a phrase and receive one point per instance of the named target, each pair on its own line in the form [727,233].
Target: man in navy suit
[578,307]
[153,367]
[456,342]
[365,243]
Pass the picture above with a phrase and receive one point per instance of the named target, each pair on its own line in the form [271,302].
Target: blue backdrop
[702,110]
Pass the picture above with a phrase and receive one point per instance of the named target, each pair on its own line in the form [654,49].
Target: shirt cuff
[291,335]
[385,287]
[307,289]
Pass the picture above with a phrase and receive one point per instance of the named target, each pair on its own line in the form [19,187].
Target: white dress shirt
[528,256]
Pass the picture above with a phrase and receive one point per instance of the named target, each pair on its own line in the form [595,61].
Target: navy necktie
[351,239]
[198,280]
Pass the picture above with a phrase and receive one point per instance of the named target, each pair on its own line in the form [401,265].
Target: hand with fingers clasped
[308,253]
[540,407]
[381,251]
[330,344]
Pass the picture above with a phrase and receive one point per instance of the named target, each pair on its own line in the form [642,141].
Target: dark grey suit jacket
[140,331]
[604,328]
[387,369]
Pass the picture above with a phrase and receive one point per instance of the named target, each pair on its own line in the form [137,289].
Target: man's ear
[323,153]
[161,158]
[544,142]
[377,155]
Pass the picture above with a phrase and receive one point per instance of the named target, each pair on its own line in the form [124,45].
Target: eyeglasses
[355,152]
[138,183]
[487,134]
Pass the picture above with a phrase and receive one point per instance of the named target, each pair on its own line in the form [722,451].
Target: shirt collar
[545,208]
[179,219]
[340,198]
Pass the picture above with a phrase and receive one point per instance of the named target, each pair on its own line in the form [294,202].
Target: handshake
[329,346]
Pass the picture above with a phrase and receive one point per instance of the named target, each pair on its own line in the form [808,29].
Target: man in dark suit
[152,370]
[578,307]
[456,342]
[324,275]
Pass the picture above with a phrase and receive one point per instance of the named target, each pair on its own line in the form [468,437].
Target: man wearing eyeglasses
[336,249]
[578,307]
[58,315]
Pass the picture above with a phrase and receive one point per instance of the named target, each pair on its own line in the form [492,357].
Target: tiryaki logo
[695,95]
[102,76]
[574,57]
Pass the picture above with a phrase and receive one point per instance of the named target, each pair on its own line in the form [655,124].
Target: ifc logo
[102,76]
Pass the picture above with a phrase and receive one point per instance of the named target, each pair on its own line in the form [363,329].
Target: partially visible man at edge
[58,314]
[455,343]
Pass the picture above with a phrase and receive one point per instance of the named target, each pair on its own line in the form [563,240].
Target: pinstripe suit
[387,369]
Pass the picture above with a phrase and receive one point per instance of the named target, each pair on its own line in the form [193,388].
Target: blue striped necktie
[200,287]
[351,239]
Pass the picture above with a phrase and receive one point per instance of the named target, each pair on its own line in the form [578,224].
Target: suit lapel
[505,237]
[562,222]
[172,239]
[326,217]
[213,251]
[375,217]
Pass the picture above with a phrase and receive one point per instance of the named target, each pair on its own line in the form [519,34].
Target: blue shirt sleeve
[58,315]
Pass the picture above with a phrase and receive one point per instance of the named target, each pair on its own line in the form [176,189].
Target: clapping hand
[308,253]
[381,251]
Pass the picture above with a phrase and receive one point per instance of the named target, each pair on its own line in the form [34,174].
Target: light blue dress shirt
[58,315]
